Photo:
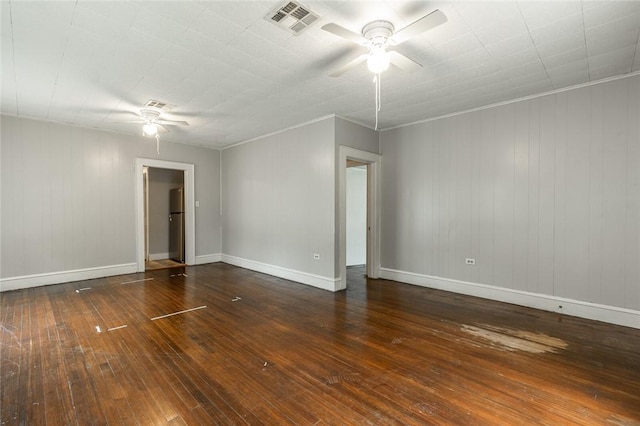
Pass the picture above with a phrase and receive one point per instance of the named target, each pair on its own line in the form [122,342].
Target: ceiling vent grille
[292,16]
[159,105]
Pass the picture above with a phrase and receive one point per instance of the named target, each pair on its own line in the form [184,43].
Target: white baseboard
[27,281]
[593,311]
[158,256]
[324,283]
[208,258]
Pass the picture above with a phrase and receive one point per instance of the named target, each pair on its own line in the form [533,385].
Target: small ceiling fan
[378,37]
[149,117]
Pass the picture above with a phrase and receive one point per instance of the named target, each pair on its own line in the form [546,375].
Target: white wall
[278,204]
[161,181]
[353,136]
[356,136]
[543,193]
[68,199]
[280,200]
[356,215]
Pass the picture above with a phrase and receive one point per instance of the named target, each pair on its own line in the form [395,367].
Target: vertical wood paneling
[33,206]
[632,236]
[91,196]
[442,184]
[414,213]
[78,207]
[594,290]
[11,194]
[503,184]
[533,196]
[546,205]
[267,202]
[560,192]
[425,177]
[553,205]
[476,220]
[521,206]
[614,193]
[403,198]
[485,255]
[576,274]
[46,178]
[68,196]
[463,152]
[56,177]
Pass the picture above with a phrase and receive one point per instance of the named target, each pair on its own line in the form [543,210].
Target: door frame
[189,209]
[373,211]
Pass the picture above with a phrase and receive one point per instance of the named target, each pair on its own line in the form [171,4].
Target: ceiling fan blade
[349,65]
[162,129]
[402,62]
[423,24]
[344,33]
[139,121]
[172,122]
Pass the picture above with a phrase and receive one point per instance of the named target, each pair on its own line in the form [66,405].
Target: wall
[356,136]
[356,215]
[278,204]
[68,200]
[161,181]
[543,193]
[353,136]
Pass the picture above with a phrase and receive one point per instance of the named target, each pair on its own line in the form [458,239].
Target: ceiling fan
[152,124]
[378,37]
[149,117]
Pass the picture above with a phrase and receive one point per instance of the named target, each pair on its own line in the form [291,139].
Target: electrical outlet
[470,261]
[316,256]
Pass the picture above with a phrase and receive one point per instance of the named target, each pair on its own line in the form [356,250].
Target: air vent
[159,105]
[292,16]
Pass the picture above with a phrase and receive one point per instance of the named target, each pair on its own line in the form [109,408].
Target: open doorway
[142,239]
[352,156]
[164,218]
[356,224]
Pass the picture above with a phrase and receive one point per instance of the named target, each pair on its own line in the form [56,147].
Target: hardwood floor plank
[269,351]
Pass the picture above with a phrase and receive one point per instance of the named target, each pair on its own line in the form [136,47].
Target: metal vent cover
[292,16]
[159,105]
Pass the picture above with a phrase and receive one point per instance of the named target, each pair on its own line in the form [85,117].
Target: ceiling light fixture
[378,60]
[150,129]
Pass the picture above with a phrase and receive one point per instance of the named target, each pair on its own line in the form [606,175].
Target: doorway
[356,218]
[349,156]
[356,222]
[187,171]
[163,220]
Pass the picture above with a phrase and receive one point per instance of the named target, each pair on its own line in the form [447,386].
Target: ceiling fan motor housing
[378,33]
[151,115]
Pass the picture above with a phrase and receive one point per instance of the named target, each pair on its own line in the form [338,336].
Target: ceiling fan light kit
[150,129]
[378,61]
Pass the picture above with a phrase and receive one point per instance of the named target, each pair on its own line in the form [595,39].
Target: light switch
[197,203]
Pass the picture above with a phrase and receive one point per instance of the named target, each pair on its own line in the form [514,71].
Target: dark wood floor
[255,349]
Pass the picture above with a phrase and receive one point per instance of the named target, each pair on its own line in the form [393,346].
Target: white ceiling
[234,76]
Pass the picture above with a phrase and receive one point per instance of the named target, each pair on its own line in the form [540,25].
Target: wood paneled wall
[68,196]
[544,194]
[278,199]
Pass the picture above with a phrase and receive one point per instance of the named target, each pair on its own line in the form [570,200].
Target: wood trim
[208,258]
[373,211]
[577,308]
[318,281]
[37,280]
[189,195]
